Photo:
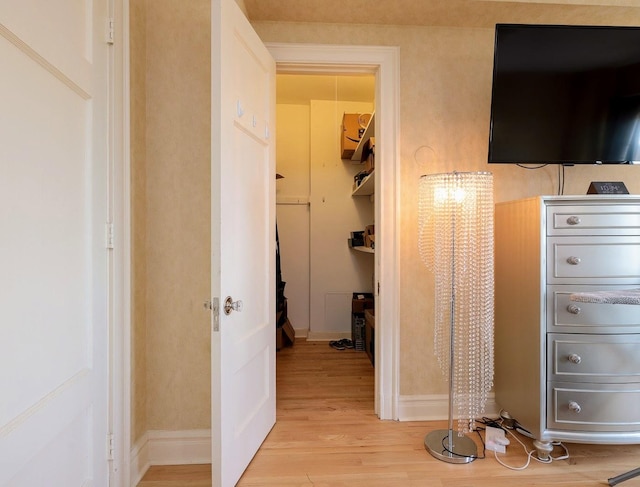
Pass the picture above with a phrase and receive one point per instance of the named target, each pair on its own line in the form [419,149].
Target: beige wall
[445,90]
[171,215]
[445,94]
[138,220]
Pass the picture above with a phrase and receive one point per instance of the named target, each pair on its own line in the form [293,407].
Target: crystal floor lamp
[455,240]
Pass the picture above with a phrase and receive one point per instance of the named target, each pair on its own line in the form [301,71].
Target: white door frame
[120,291]
[384,62]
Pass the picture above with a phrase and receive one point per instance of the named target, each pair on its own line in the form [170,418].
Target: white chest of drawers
[568,371]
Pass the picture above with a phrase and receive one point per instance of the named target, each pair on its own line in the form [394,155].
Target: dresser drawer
[566,316]
[591,260]
[593,358]
[593,220]
[593,407]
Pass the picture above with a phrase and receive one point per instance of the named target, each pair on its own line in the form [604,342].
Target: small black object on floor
[341,344]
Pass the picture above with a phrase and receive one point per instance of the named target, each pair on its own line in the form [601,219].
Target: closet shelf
[367,186]
[369,132]
[366,250]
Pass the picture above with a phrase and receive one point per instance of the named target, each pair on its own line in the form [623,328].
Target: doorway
[315,209]
[383,63]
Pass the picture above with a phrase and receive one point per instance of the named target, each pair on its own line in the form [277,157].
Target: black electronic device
[607,187]
[565,95]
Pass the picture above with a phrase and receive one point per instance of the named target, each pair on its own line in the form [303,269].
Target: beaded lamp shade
[456,244]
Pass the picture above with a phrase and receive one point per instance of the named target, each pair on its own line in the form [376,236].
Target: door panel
[52,252]
[243,242]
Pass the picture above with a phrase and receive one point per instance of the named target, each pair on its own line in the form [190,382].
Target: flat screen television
[565,95]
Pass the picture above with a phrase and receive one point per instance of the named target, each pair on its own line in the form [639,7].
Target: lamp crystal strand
[456,244]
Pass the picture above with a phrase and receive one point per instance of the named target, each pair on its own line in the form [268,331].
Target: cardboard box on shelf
[370,241]
[368,166]
[369,235]
[362,301]
[353,125]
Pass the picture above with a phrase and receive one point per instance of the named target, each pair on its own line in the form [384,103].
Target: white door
[53,257]
[243,241]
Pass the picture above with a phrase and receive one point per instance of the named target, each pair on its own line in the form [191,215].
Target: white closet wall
[320,271]
[292,209]
[336,271]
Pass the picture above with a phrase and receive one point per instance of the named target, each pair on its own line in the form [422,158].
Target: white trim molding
[139,461]
[159,447]
[384,63]
[325,336]
[120,218]
[435,407]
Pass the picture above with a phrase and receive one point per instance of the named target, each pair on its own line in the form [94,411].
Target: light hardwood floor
[327,435]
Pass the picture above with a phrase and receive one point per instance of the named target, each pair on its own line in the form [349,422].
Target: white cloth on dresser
[621,296]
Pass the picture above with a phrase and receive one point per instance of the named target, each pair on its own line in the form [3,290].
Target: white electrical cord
[530,455]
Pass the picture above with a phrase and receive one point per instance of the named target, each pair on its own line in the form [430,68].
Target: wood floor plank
[327,435]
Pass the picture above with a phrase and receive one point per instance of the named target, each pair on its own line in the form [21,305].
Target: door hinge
[111,27]
[111,447]
[214,306]
[109,235]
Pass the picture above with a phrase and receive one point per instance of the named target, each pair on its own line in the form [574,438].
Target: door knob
[231,305]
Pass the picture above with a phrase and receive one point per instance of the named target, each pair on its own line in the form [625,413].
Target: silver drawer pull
[573,260]
[574,407]
[573,309]
[573,220]
[574,358]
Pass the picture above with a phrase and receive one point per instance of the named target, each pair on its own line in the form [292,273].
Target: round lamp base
[447,446]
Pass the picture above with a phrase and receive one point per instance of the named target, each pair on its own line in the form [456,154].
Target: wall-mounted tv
[565,95]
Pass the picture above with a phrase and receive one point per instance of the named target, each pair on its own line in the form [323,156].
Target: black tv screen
[565,95]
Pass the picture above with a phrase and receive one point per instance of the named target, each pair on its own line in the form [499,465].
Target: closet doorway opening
[383,63]
[316,211]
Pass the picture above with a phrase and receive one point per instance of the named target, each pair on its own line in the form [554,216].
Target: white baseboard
[434,407]
[327,336]
[139,460]
[169,448]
